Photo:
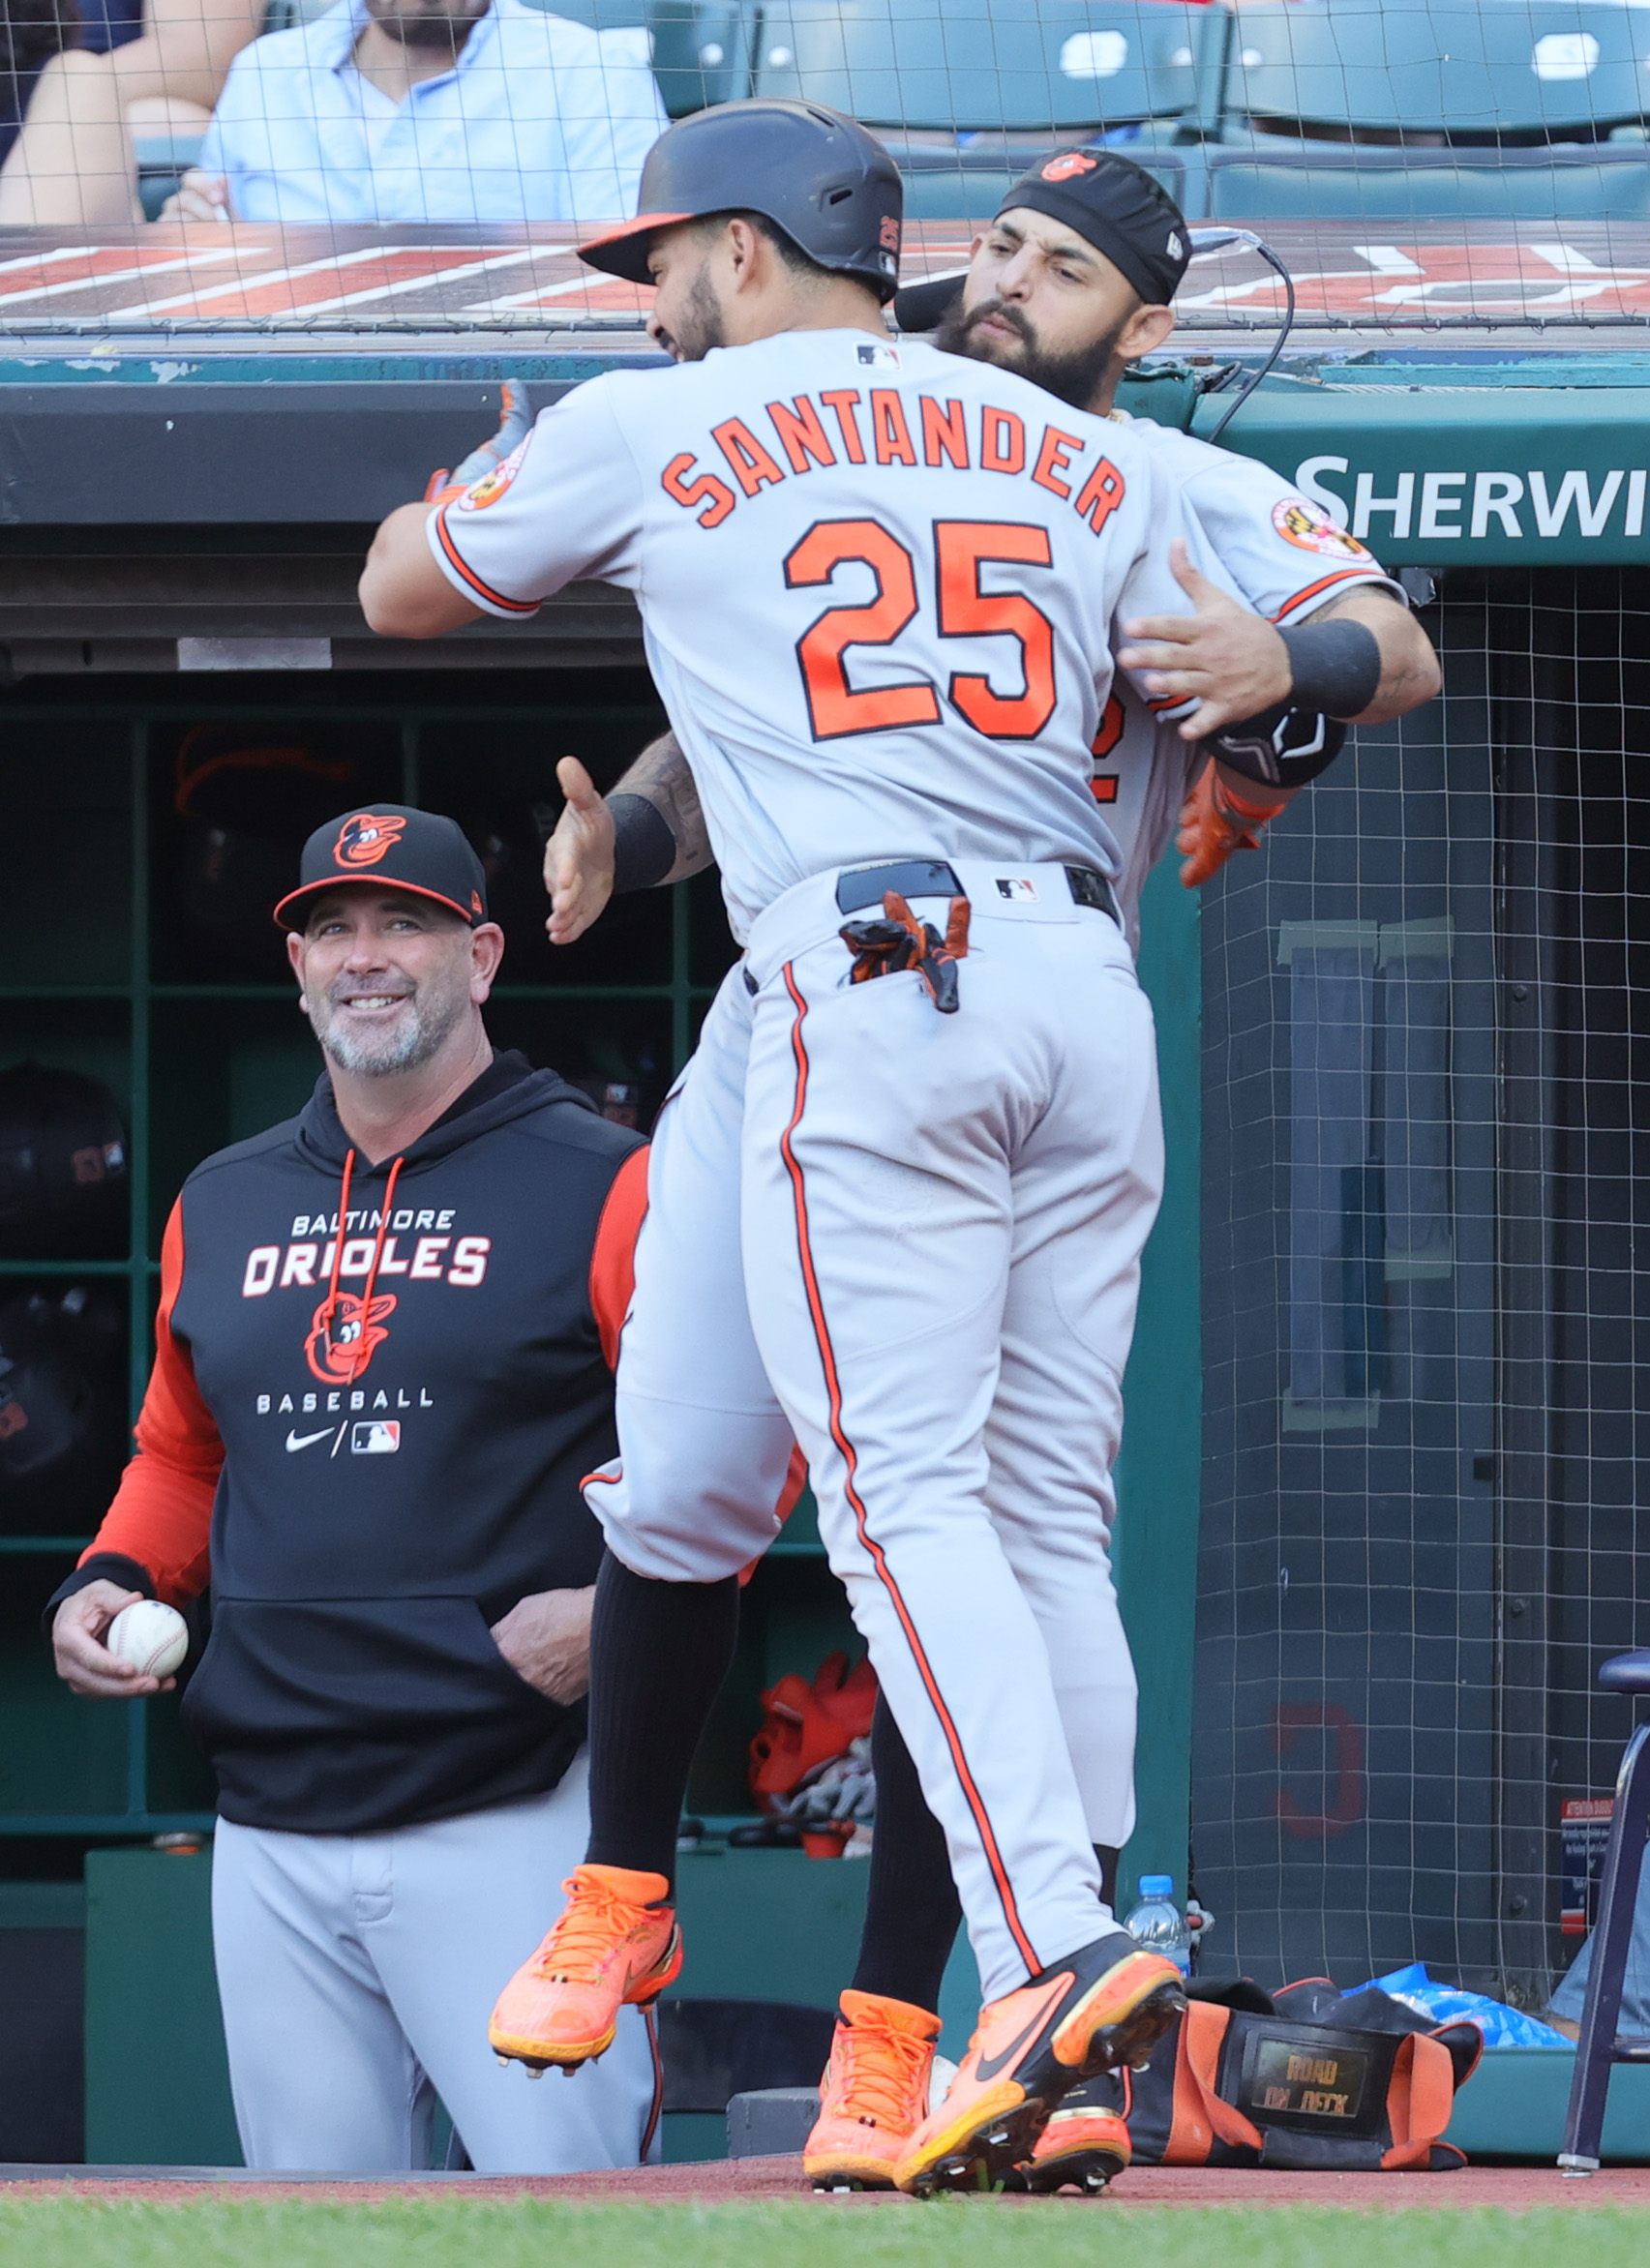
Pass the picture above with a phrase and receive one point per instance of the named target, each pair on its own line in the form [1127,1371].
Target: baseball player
[886,678]
[1047,292]
[383,1366]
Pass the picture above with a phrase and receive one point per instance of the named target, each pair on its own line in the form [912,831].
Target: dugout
[1399,1055]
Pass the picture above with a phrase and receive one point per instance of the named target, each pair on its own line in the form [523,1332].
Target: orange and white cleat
[1106,2004]
[615,1943]
[1083,2146]
[874,2094]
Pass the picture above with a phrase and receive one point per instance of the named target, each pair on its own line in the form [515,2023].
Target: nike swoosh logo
[304,1441]
[988,2067]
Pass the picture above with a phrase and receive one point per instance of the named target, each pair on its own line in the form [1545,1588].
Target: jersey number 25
[961,548]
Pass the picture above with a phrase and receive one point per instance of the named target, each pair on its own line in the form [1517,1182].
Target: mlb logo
[1018,885]
[374,1436]
[875,357]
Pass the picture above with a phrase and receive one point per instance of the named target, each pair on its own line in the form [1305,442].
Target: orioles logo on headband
[1069,167]
[363,839]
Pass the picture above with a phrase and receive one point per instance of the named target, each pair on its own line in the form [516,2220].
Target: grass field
[57,2232]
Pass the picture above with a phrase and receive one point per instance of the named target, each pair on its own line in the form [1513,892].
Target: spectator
[429,110]
[81,83]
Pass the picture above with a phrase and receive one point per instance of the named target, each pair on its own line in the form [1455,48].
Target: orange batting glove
[1215,822]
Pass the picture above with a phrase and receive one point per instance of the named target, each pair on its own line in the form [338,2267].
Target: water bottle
[1156,1922]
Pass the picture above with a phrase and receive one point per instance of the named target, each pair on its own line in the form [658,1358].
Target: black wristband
[643,848]
[1337,667]
[1284,747]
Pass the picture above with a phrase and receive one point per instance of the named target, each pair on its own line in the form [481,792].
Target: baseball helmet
[63,1175]
[63,1437]
[828,184]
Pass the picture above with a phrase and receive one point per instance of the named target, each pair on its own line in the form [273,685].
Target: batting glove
[1215,822]
[513,428]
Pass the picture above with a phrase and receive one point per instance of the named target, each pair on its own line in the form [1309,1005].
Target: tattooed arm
[649,830]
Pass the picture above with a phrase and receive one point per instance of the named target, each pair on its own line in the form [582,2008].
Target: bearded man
[383,1363]
[445,110]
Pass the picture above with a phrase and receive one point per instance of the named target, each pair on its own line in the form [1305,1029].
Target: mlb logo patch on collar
[1016,886]
[872,356]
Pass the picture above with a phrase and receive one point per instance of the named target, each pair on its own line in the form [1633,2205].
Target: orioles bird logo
[363,840]
[1069,167]
[343,1337]
[1307,524]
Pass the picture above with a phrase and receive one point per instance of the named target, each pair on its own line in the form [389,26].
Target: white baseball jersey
[1287,557]
[877,584]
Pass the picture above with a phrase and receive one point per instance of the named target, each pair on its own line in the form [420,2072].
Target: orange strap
[1420,2100]
[1201,2118]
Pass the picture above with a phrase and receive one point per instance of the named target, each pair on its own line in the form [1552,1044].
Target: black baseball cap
[1112,203]
[397,847]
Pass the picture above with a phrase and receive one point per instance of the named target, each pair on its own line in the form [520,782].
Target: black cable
[1201,241]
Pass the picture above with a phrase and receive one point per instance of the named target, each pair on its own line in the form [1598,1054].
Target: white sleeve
[1153,588]
[566,503]
[1285,554]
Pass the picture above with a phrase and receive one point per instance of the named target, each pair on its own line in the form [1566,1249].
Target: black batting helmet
[829,184]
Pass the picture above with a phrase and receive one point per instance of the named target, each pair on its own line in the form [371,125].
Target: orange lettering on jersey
[1001,441]
[1103,787]
[800,434]
[1109,733]
[747,459]
[944,433]
[714,494]
[1101,494]
[841,401]
[889,428]
[1053,458]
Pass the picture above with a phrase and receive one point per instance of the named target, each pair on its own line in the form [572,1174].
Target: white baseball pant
[357,1973]
[1026,1235]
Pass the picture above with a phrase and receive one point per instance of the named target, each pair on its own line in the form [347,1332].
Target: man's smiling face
[386,975]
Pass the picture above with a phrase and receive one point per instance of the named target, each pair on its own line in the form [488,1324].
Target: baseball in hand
[152,1637]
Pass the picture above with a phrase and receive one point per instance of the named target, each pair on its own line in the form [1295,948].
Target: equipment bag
[1304,2079]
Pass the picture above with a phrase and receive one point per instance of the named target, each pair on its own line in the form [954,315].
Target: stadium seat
[702,48]
[1318,182]
[968,93]
[162,161]
[1495,71]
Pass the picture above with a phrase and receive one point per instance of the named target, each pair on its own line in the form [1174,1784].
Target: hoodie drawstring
[361,1354]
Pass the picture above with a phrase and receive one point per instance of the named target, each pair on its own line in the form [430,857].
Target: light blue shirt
[540,119]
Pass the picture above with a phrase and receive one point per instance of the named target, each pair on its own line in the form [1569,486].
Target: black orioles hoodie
[379,1388]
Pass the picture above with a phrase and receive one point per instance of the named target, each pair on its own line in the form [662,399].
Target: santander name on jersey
[878,586]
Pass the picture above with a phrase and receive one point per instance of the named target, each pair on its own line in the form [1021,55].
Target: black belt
[859,886]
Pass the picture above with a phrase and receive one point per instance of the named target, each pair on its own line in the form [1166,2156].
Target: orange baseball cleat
[1107,2004]
[616,1942]
[1083,2146]
[874,2094]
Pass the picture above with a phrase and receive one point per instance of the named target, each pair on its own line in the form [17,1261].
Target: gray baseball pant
[357,1973]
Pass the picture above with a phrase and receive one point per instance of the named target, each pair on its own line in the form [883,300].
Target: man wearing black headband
[1068,286]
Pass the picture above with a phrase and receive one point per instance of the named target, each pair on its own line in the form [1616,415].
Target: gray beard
[422,1035]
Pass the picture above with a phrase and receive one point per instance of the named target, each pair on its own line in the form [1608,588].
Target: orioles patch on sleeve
[491,485]
[1311,527]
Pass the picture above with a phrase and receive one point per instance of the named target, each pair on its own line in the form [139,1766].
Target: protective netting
[442,127]
[1424,1170]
